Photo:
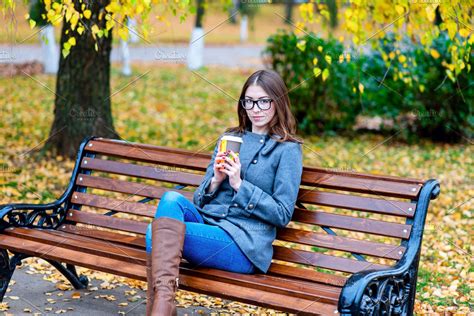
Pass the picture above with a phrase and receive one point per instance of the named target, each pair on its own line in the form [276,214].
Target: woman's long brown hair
[283,122]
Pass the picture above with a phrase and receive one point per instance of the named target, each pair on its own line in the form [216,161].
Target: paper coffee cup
[228,142]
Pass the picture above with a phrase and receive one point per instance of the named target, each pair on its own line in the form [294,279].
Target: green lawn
[171,106]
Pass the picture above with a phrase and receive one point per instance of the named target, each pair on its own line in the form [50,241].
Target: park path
[30,294]
[246,56]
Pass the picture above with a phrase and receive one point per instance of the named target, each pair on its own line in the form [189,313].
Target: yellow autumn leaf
[328,59]
[32,23]
[400,9]
[72,41]
[430,13]
[434,53]
[74,20]
[341,58]
[451,27]
[402,59]
[87,14]
[320,48]
[301,45]
[315,61]
[109,25]
[65,52]
[317,72]
[361,87]
[325,74]
[464,32]
[95,29]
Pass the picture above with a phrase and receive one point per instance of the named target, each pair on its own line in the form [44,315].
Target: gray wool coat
[271,176]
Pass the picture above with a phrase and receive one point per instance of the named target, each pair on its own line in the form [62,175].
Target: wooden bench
[353,244]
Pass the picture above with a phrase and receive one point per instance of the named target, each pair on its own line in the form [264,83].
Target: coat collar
[270,144]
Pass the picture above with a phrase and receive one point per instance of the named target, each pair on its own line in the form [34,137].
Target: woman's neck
[262,131]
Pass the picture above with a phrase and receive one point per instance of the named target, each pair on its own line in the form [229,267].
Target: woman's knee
[167,199]
[171,196]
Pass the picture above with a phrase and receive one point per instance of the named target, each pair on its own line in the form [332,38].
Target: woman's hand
[219,176]
[232,169]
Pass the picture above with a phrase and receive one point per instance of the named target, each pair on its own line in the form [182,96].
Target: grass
[171,106]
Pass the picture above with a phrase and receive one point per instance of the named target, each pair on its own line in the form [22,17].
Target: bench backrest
[344,222]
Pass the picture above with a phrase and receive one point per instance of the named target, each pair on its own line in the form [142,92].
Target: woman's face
[259,118]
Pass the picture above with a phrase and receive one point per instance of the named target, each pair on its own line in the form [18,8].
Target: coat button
[250,206]
[223,215]
[235,204]
[255,161]
[199,193]
[261,141]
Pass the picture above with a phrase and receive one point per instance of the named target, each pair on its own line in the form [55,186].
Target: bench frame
[370,292]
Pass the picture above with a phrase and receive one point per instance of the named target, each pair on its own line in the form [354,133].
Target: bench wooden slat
[93,232]
[122,186]
[341,243]
[145,172]
[276,284]
[124,206]
[323,261]
[347,181]
[149,153]
[352,223]
[307,274]
[111,222]
[63,254]
[81,243]
[359,203]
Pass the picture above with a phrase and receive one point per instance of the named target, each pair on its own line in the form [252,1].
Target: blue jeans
[205,245]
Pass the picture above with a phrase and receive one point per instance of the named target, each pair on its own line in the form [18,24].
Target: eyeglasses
[263,104]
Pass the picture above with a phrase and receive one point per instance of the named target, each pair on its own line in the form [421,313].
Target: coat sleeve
[200,198]
[277,208]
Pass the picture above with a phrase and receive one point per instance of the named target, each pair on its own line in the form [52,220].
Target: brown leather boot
[149,290]
[167,248]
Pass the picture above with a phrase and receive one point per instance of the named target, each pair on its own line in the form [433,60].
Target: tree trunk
[332,6]
[82,103]
[289,11]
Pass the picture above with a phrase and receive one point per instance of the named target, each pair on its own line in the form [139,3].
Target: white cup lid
[233,138]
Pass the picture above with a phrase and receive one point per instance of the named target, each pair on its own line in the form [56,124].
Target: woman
[232,221]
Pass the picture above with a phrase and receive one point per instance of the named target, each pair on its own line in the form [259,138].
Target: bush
[416,88]
[408,89]
[318,105]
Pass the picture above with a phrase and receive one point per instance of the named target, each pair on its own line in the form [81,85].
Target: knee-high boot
[167,248]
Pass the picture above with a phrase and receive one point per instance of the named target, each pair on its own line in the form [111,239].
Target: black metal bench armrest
[49,215]
[31,215]
[390,291]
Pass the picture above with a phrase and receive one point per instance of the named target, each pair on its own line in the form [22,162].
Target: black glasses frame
[242,102]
